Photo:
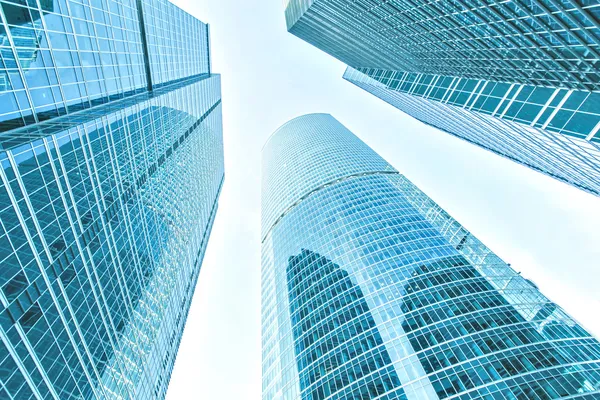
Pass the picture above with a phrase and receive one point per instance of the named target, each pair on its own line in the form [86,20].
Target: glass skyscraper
[112,164]
[371,291]
[519,78]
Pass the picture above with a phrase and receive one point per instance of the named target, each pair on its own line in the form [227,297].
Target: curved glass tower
[372,291]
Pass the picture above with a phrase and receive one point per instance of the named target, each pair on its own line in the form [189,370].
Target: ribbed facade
[517,78]
[372,291]
[107,199]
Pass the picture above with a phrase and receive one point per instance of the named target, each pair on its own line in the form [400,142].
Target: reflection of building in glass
[59,59]
[447,306]
[517,78]
[22,26]
[336,339]
[105,215]
[442,317]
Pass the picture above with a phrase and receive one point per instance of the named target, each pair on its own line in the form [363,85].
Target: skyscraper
[112,164]
[519,78]
[371,291]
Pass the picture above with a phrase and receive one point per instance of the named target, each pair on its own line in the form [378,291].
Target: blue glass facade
[517,78]
[549,130]
[106,202]
[372,291]
[59,57]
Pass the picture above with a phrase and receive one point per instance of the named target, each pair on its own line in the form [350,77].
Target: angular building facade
[371,291]
[519,78]
[112,164]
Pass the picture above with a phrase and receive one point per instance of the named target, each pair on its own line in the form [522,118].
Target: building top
[308,153]
[177,42]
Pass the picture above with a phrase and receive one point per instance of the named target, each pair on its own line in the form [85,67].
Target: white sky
[545,229]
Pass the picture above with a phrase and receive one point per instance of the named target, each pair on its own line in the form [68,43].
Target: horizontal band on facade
[323,186]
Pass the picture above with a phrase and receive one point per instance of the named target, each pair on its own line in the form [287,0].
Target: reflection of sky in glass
[108,205]
[95,55]
[548,129]
[59,59]
[454,318]
[504,77]
[97,190]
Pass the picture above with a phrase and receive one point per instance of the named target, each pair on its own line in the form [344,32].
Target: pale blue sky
[545,229]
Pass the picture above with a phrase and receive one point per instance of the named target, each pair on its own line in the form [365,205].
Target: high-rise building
[371,291]
[519,78]
[112,164]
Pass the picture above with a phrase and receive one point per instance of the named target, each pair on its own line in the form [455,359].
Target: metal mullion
[90,255]
[15,357]
[433,19]
[19,68]
[40,265]
[386,40]
[558,107]
[450,89]
[108,317]
[174,282]
[593,132]
[508,36]
[482,40]
[475,90]
[25,340]
[569,149]
[93,173]
[574,20]
[90,162]
[531,42]
[566,45]
[135,193]
[118,362]
[446,24]
[191,252]
[493,114]
[466,35]
[51,48]
[551,31]
[432,86]
[3,387]
[98,67]
[72,225]
[414,83]
[128,43]
[498,130]
[473,66]
[145,48]
[551,139]
[87,260]
[422,12]
[528,148]
[392,77]
[373,35]
[585,14]
[146,155]
[113,56]
[503,381]
[135,331]
[118,187]
[513,97]
[70,18]
[545,107]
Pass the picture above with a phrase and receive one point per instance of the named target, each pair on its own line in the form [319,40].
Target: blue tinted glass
[95,206]
[371,291]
